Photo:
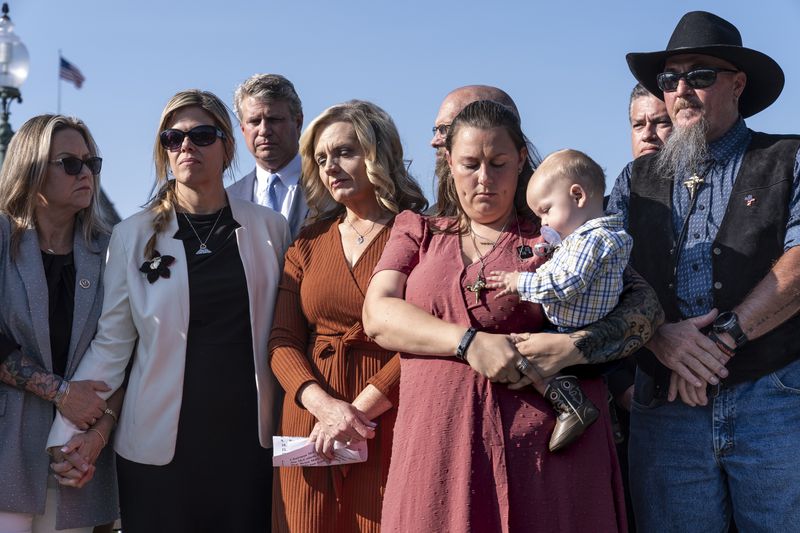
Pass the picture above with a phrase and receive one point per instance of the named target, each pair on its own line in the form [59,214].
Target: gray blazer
[25,419]
[243,188]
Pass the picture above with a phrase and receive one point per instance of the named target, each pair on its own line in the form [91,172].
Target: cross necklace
[479,285]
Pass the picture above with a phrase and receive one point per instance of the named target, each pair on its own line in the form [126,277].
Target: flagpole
[58,108]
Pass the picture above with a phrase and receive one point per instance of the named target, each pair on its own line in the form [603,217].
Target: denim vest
[748,243]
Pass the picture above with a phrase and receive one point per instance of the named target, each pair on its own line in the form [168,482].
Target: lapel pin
[84,283]
[749,200]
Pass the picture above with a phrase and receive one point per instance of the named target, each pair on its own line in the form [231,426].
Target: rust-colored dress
[317,336]
[469,455]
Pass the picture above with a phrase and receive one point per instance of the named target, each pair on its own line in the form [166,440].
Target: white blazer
[157,316]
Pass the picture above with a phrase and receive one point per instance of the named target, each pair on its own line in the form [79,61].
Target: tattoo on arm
[627,327]
[783,312]
[23,372]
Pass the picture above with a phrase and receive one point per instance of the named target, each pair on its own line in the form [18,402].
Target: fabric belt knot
[331,352]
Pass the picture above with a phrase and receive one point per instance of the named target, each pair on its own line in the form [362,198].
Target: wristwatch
[728,322]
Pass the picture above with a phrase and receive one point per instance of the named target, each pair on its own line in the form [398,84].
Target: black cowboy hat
[699,32]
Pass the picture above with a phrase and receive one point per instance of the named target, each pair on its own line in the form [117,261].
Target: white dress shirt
[286,186]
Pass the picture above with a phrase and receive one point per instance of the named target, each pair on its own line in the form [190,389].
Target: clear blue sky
[562,62]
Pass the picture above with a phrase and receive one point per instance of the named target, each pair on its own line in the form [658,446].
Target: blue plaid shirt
[694,275]
[582,282]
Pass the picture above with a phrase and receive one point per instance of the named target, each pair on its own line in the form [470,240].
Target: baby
[582,280]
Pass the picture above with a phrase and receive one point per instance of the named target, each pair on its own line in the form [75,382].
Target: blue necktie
[272,194]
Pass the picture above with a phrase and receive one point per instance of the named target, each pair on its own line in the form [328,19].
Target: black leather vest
[749,241]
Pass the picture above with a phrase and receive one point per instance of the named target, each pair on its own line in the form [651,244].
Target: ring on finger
[523,365]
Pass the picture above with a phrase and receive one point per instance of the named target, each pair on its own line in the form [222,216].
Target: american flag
[68,71]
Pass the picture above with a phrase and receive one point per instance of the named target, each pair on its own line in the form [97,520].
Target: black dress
[220,477]
[59,270]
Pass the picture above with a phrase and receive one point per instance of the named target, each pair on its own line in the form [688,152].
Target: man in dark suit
[271,117]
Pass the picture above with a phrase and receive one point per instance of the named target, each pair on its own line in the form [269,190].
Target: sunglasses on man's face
[172,139]
[699,78]
[73,165]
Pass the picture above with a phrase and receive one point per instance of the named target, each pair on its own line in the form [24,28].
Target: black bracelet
[724,348]
[466,340]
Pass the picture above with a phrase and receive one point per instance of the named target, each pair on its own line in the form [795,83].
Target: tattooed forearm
[25,373]
[626,328]
[775,299]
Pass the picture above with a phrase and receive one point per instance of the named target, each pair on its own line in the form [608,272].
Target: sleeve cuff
[61,432]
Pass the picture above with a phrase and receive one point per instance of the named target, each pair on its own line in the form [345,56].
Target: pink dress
[470,455]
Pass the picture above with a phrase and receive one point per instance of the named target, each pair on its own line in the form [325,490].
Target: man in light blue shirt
[271,118]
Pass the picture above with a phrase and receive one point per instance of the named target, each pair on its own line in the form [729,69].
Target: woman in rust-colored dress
[339,384]
[470,451]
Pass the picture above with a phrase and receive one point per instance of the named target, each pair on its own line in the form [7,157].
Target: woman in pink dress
[470,450]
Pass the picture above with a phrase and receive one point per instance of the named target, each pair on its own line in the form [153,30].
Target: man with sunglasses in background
[715,217]
[271,117]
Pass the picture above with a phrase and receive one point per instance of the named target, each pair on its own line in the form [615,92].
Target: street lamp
[14,66]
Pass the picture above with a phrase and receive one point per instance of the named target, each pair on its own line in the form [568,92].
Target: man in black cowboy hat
[715,217]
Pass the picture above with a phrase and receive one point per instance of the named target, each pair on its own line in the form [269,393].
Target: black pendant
[524,251]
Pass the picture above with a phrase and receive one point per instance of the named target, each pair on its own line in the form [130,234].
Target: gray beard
[684,152]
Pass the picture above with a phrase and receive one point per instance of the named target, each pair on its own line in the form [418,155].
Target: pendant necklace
[524,251]
[360,239]
[483,240]
[203,248]
[480,282]
[693,184]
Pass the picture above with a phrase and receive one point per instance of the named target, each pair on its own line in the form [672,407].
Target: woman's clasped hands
[73,463]
[338,421]
[81,404]
[494,356]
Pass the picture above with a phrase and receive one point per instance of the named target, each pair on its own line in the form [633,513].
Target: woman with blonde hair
[190,285]
[340,386]
[53,239]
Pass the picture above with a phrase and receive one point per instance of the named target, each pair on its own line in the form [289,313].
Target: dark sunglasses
[441,129]
[199,135]
[73,165]
[699,78]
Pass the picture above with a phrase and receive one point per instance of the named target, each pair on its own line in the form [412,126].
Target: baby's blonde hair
[575,166]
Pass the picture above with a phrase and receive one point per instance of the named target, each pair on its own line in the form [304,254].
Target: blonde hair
[25,171]
[268,88]
[575,166]
[162,200]
[377,135]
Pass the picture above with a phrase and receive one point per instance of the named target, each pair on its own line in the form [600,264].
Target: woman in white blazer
[52,242]
[190,285]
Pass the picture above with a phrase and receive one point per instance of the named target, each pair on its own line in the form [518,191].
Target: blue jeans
[693,468]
